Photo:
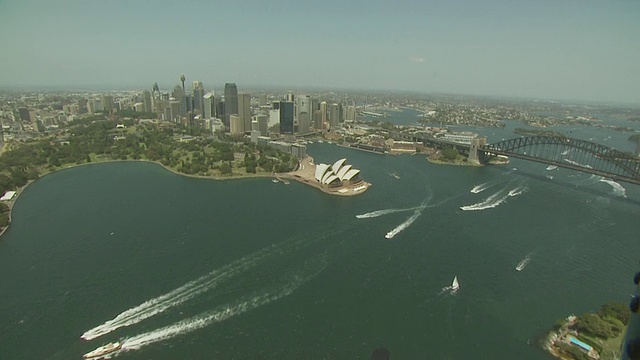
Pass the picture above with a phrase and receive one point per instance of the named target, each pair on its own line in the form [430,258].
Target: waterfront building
[230,101]
[351,113]
[337,175]
[323,115]
[465,137]
[244,110]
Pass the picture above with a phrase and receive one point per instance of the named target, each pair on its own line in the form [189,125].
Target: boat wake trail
[618,190]
[480,188]
[193,288]
[287,286]
[405,224]
[383,212]
[496,199]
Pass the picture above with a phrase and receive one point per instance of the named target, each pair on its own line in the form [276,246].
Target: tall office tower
[146,100]
[316,120]
[244,110]
[208,103]
[263,100]
[178,95]
[230,101]
[236,126]
[351,113]
[219,104]
[107,103]
[335,115]
[175,111]
[290,97]
[261,121]
[286,117]
[303,110]
[188,102]
[323,115]
[274,114]
[198,93]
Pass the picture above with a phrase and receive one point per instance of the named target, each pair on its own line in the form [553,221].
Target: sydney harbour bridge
[575,154]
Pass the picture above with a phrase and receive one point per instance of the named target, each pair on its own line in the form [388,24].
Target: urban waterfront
[284,271]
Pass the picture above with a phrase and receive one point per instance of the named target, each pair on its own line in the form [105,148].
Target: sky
[550,49]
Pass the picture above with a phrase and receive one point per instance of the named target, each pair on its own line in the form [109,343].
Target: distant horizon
[302,89]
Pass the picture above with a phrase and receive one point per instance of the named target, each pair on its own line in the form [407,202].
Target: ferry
[103,350]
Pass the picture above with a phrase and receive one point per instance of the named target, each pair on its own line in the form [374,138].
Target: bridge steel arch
[580,155]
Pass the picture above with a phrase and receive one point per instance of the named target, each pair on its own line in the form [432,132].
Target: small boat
[395,175]
[275,181]
[551,167]
[103,350]
[286,182]
[523,263]
[455,285]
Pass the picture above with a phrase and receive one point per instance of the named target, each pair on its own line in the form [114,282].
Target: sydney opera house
[337,176]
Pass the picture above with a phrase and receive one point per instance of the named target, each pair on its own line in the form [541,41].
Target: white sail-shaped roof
[337,165]
[321,169]
[349,175]
[343,170]
[330,179]
[326,176]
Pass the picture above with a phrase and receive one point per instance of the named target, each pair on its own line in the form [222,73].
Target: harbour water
[177,267]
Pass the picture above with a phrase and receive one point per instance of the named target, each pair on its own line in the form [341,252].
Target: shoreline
[290,176]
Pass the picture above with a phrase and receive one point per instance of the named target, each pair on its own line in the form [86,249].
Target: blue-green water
[254,269]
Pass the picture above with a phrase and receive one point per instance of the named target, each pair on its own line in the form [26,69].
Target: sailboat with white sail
[455,286]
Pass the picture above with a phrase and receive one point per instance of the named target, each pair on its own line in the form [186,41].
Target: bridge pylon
[473,150]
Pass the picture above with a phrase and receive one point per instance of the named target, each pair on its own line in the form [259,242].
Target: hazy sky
[560,49]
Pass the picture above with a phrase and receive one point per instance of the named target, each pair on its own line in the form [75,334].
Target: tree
[225,169]
[449,153]
[617,311]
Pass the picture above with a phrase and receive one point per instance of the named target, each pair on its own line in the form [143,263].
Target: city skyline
[567,50]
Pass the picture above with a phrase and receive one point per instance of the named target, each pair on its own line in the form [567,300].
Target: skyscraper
[209,105]
[230,101]
[323,115]
[107,103]
[244,110]
[178,95]
[303,110]
[198,93]
[146,100]
[335,116]
[236,125]
[286,117]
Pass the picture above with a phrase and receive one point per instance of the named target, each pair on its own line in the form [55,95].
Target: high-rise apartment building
[236,126]
[107,103]
[230,101]
[244,110]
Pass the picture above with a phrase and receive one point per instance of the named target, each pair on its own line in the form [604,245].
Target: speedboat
[103,350]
